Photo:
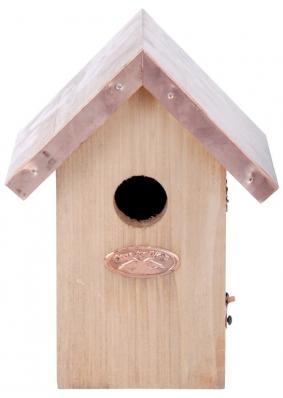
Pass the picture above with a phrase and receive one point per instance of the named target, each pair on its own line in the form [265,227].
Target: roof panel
[197,85]
[142,54]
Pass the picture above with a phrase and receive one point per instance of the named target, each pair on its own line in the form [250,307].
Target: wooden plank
[229,154]
[143,54]
[69,110]
[69,138]
[236,142]
[195,83]
[119,332]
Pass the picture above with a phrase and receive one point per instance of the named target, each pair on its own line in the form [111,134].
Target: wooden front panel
[166,331]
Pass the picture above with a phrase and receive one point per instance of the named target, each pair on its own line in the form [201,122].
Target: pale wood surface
[162,332]
[143,54]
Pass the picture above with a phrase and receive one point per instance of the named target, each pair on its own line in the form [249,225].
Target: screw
[229,320]
[119,87]
[34,172]
[170,95]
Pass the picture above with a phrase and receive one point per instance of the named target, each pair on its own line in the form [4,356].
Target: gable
[151,59]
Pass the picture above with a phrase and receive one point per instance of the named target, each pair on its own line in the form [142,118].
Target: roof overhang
[142,54]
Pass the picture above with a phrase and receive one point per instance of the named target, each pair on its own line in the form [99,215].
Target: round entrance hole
[140,200]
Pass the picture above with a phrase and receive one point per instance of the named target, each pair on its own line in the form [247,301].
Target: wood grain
[142,54]
[163,332]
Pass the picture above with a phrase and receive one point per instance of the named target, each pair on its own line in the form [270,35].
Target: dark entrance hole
[140,198]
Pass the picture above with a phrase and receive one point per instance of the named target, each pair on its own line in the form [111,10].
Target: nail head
[119,87]
[34,172]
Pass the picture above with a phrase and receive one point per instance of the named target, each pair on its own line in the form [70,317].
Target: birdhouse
[141,140]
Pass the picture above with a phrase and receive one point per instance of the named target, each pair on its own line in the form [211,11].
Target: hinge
[228,300]
[227,199]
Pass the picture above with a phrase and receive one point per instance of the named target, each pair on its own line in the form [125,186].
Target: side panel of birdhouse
[125,332]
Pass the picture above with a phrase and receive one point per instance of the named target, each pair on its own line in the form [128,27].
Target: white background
[43,44]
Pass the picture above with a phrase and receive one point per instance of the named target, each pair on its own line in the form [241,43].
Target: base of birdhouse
[164,331]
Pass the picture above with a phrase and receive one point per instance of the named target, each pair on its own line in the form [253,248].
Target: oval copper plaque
[142,261]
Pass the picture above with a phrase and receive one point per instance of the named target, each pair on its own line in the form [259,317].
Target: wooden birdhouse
[141,140]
